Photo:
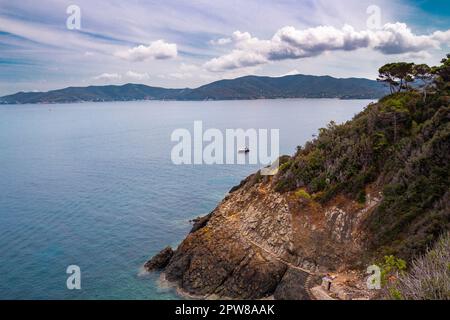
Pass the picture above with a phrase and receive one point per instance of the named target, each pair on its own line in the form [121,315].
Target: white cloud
[221,41]
[137,76]
[181,75]
[108,77]
[235,60]
[397,38]
[442,36]
[158,50]
[185,71]
[291,43]
[188,67]
[291,73]
[414,56]
[236,37]
[239,36]
[131,75]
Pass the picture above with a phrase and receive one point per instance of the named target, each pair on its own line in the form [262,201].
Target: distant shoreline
[174,100]
[244,88]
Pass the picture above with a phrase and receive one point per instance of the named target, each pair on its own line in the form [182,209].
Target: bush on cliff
[428,277]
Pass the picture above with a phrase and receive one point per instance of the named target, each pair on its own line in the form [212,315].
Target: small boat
[245,150]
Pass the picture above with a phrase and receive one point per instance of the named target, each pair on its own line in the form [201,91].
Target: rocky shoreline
[259,243]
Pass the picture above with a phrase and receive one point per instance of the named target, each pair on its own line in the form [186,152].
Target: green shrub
[361,198]
[391,268]
[429,275]
[303,194]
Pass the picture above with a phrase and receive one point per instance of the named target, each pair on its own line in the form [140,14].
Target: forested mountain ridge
[249,87]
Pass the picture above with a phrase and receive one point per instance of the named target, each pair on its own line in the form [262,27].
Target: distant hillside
[249,87]
[295,86]
[126,92]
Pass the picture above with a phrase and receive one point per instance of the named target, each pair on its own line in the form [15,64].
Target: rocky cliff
[259,242]
[376,185]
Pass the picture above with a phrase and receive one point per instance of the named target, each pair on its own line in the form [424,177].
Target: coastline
[180,100]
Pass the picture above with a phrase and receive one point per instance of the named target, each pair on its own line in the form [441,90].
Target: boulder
[160,261]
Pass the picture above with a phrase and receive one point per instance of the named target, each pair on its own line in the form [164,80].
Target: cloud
[442,36]
[239,36]
[137,76]
[235,60]
[108,77]
[397,38]
[111,77]
[185,71]
[221,41]
[291,43]
[188,67]
[291,73]
[159,50]
[46,35]
[181,75]
[421,55]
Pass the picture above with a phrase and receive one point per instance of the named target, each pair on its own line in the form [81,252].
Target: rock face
[200,222]
[258,242]
[292,286]
[159,261]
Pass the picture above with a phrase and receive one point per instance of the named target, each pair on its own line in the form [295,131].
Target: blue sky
[190,43]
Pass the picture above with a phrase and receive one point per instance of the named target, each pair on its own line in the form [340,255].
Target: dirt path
[274,255]
[278,258]
[307,284]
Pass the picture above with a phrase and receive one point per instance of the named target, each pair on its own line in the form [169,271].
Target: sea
[94,185]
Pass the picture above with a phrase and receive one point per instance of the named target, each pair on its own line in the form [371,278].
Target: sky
[52,44]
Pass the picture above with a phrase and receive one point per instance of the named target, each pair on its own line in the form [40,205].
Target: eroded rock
[251,245]
[292,286]
[159,261]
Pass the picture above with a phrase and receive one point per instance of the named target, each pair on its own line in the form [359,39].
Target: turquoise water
[93,185]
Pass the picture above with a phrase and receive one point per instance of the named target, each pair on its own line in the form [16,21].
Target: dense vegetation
[428,277]
[398,146]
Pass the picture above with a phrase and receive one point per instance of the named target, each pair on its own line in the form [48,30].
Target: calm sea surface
[93,185]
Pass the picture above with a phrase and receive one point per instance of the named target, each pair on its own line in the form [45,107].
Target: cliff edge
[375,185]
